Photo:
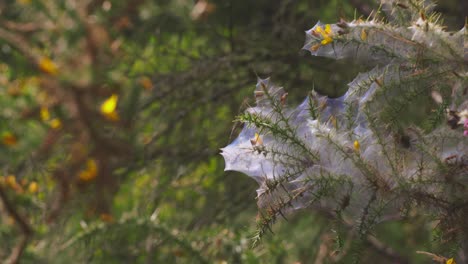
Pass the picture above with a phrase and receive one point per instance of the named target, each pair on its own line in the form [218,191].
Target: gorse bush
[391,147]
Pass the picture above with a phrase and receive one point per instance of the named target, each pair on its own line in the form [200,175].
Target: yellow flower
[325,33]
[109,107]
[9,139]
[90,172]
[315,47]
[48,66]
[363,35]
[257,140]
[33,187]
[11,181]
[357,146]
[110,104]
[450,261]
[45,115]
[326,41]
[55,123]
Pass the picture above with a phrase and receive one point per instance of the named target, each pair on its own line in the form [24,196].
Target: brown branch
[26,230]
[371,241]
[436,258]
[18,43]
[385,250]
[28,27]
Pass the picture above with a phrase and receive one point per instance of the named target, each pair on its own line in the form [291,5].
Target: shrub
[392,144]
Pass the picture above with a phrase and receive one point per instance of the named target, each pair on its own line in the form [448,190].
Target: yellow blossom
[109,107]
[55,123]
[357,146]
[90,172]
[33,187]
[450,261]
[363,35]
[45,115]
[326,40]
[11,181]
[9,139]
[325,33]
[257,141]
[47,66]
[315,47]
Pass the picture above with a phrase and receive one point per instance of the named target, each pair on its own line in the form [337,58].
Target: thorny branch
[371,241]
[25,228]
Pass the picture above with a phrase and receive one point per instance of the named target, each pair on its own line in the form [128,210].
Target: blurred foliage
[112,116]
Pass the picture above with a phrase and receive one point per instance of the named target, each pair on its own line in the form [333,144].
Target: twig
[434,257]
[28,27]
[19,43]
[369,240]
[24,227]
[385,250]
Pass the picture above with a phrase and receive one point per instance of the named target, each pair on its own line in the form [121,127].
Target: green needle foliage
[393,147]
